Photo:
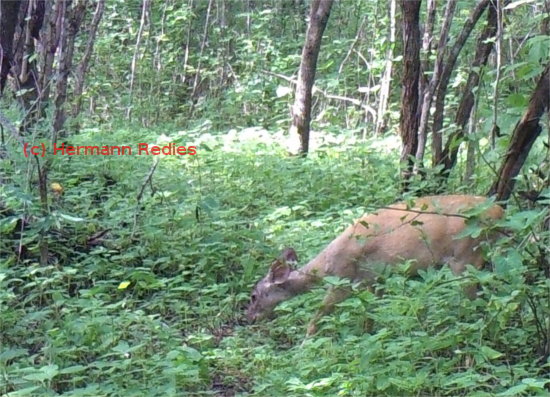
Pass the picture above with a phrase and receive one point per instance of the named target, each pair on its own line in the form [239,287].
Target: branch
[356,102]
[148,179]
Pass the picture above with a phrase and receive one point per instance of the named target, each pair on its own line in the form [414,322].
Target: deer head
[274,288]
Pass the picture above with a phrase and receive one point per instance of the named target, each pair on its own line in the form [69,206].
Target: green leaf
[506,263]
[124,285]
[514,390]
[10,354]
[27,391]
[490,353]
[74,369]
[70,218]
[516,100]
[47,372]
[536,383]
[539,48]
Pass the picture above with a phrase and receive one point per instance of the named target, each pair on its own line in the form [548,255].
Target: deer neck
[301,280]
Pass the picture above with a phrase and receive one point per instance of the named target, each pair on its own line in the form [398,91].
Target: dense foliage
[156,308]
[147,279]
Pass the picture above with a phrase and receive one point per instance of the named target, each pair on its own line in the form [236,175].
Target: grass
[154,306]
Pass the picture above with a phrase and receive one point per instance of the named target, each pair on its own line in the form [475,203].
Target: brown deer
[424,234]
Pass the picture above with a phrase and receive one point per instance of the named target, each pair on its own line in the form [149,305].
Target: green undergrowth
[145,297]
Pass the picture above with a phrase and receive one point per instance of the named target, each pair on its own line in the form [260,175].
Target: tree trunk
[498,56]
[432,83]
[545,27]
[24,70]
[448,67]
[49,37]
[426,48]
[83,66]
[484,47]
[301,110]
[525,133]
[408,123]
[9,10]
[133,68]
[470,150]
[73,16]
[196,79]
[385,83]
[187,41]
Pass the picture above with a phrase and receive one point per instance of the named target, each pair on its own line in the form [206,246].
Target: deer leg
[470,290]
[334,296]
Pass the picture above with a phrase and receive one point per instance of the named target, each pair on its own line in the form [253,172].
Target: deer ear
[289,256]
[279,271]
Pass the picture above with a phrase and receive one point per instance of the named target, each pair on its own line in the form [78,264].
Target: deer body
[424,234]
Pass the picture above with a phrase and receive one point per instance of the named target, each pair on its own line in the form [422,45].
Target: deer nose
[250,315]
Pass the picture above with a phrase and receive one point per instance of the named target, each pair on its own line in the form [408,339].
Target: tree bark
[448,67]
[73,15]
[9,10]
[49,37]
[498,56]
[545,27]
[471,149]
[301,110]
[426,48]
[83,66]
[24,65]
[133,68]
[385,83]
[484,47]
[432,83]
[525,133]
[187,41]
[408,123]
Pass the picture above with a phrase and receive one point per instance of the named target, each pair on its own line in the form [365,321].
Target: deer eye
[253,297]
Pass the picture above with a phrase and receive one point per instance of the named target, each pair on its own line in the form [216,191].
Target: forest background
[128,275]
